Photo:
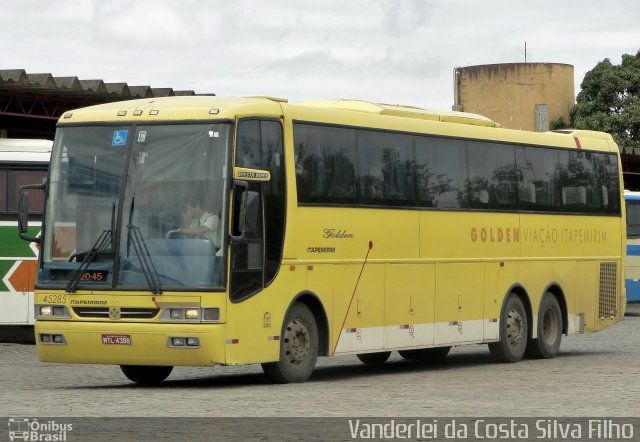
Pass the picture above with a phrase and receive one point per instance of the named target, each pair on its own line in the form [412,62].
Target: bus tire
[547,344]
[146,374]
[299,342]
[374,358]
[432,355]
[513,332]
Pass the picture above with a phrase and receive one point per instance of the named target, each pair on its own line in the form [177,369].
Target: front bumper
[83,343]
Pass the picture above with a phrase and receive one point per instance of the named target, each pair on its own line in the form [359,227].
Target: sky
[391,51]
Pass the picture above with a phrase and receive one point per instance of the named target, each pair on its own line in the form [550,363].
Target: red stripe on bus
[578,145]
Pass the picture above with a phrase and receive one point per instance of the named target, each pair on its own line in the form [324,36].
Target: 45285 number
[54,299]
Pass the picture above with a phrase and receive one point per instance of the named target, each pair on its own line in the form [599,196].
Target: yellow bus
[205,230]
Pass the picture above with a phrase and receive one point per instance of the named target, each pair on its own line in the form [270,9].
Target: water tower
[527,96]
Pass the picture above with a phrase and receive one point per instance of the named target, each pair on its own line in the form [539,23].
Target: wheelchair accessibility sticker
[119,137]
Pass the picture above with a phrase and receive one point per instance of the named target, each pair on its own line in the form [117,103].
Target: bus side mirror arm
[23,213]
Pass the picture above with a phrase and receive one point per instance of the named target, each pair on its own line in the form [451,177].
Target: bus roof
[214,105]
[335,111]
[19,150]
[631,196]
[399,110]
[174,109]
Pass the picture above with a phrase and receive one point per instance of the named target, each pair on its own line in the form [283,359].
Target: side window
[248,147]
[10,182]
[325,164]
[441,172]
[272,155]
[386,172]
[575,176]
[20,178]
[607,184]
[493,177]
[260,146]
[633,219]
[362,167]
[537,190]
[3,191]
[274,196]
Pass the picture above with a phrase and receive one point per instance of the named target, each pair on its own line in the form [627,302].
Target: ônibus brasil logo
[27,429]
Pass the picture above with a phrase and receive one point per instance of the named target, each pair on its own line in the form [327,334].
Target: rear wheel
[513,332]
[426,354]
[547,344]
[146,374]
[374,358]
[298,347]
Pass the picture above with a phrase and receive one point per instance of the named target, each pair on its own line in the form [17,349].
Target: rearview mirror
[23,212]
[23,218]
[247,220]
[249,213]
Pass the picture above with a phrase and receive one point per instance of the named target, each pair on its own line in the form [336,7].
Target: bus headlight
[52,339]
[177,342]
[190,314]
[176,313]
[47,311]
[183,342]
[211,314]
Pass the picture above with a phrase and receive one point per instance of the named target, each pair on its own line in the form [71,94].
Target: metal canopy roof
[18,80]
[30,104]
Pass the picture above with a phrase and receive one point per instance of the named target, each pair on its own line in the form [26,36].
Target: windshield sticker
[142,136]
[213,134]
[142,156]
[119,137]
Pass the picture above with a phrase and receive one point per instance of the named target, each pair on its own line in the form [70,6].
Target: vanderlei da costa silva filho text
[513,429]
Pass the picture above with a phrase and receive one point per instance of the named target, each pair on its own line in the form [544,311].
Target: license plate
[116,339]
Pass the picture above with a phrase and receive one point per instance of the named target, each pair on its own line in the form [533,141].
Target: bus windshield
[136,207]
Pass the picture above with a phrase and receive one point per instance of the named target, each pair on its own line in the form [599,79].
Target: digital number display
[95,275]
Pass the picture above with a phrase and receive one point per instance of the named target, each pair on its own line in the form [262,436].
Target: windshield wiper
[105,238]
[100,245]
[146,263]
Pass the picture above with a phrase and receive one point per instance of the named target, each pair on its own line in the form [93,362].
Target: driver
[198,222]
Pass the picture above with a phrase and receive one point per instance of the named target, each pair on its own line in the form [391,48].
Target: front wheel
[146,374]
[298,347]
[513,332]
[547,344]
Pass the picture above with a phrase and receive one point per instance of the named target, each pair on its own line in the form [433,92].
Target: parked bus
[21,162]
[332,227]
[632,269]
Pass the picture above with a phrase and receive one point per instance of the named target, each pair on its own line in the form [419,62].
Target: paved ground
[594,375]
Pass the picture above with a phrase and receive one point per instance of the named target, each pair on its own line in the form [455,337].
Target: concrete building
[526,96]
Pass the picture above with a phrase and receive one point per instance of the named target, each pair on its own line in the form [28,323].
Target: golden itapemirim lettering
[539,235]
[495,234]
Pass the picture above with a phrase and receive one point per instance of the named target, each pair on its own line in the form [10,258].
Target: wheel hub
[297,342]
[515,328]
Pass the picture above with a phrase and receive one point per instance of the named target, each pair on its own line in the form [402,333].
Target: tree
[610,100]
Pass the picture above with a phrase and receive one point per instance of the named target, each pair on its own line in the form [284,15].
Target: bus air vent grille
[608,289]
[125,313]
